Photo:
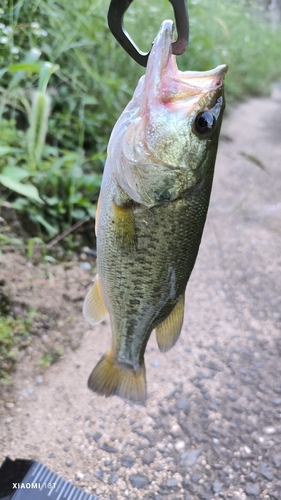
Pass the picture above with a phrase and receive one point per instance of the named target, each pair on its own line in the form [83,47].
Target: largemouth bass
[151,213]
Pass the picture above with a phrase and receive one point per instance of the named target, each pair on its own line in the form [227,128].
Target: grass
[50,358]
[64,81]
[13,335]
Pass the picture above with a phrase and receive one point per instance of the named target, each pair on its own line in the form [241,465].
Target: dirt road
[211,427]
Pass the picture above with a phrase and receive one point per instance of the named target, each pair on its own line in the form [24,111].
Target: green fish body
[152,210]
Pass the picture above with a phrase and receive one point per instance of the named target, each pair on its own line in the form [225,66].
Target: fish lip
[218,75]
[159,58]
[161,51]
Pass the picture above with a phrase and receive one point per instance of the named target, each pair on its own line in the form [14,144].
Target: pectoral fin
[167,333]
[124,226]
[94,309]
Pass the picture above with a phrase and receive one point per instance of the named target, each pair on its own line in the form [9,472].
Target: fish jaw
[155,153]
[164,83]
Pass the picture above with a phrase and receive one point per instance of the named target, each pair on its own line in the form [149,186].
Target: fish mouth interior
[164,82]
[190,84]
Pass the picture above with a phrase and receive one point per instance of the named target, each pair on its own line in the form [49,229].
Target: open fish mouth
[169,85]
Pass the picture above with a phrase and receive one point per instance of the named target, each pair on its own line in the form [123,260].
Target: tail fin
[110,377]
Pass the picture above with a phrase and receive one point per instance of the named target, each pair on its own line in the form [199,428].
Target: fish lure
[151,213]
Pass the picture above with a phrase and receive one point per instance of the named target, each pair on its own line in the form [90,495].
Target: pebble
[39,380]
[175,431]
[212,365]
[127,461]
[138,480]
[79,475]
[252,477]
[277,459]
[276,401]
[216,487]
[68,462]
[269,430]
[252,489]
[99,474]
[266,471]
[148,457]
[180,445]
[156,364]
[107,447]
[172,483]
[112,479]
[189,458]
[186,482]
[275,493]
[30,391]
[97,436]
[213,405]
[183,404]
[195,478]
[161,447]
[9,406]
[85,265]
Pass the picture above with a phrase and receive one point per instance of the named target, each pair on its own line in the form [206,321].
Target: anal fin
[167,333]
[94,309]
[110,378]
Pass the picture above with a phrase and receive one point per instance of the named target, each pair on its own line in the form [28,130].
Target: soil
[211,427]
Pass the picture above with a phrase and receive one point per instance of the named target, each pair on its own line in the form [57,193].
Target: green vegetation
[51,358]
[14,333]
[64,81]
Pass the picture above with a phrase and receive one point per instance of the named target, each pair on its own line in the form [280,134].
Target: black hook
[115,16]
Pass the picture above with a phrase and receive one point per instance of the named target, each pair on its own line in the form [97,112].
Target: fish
[151,213]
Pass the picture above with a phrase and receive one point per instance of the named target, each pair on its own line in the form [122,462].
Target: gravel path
[211,427]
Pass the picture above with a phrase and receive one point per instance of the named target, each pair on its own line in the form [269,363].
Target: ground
[211,427]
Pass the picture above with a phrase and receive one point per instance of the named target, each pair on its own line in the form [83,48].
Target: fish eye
[205,122]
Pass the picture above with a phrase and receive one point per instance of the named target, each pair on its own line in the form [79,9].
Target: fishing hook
[115,17]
